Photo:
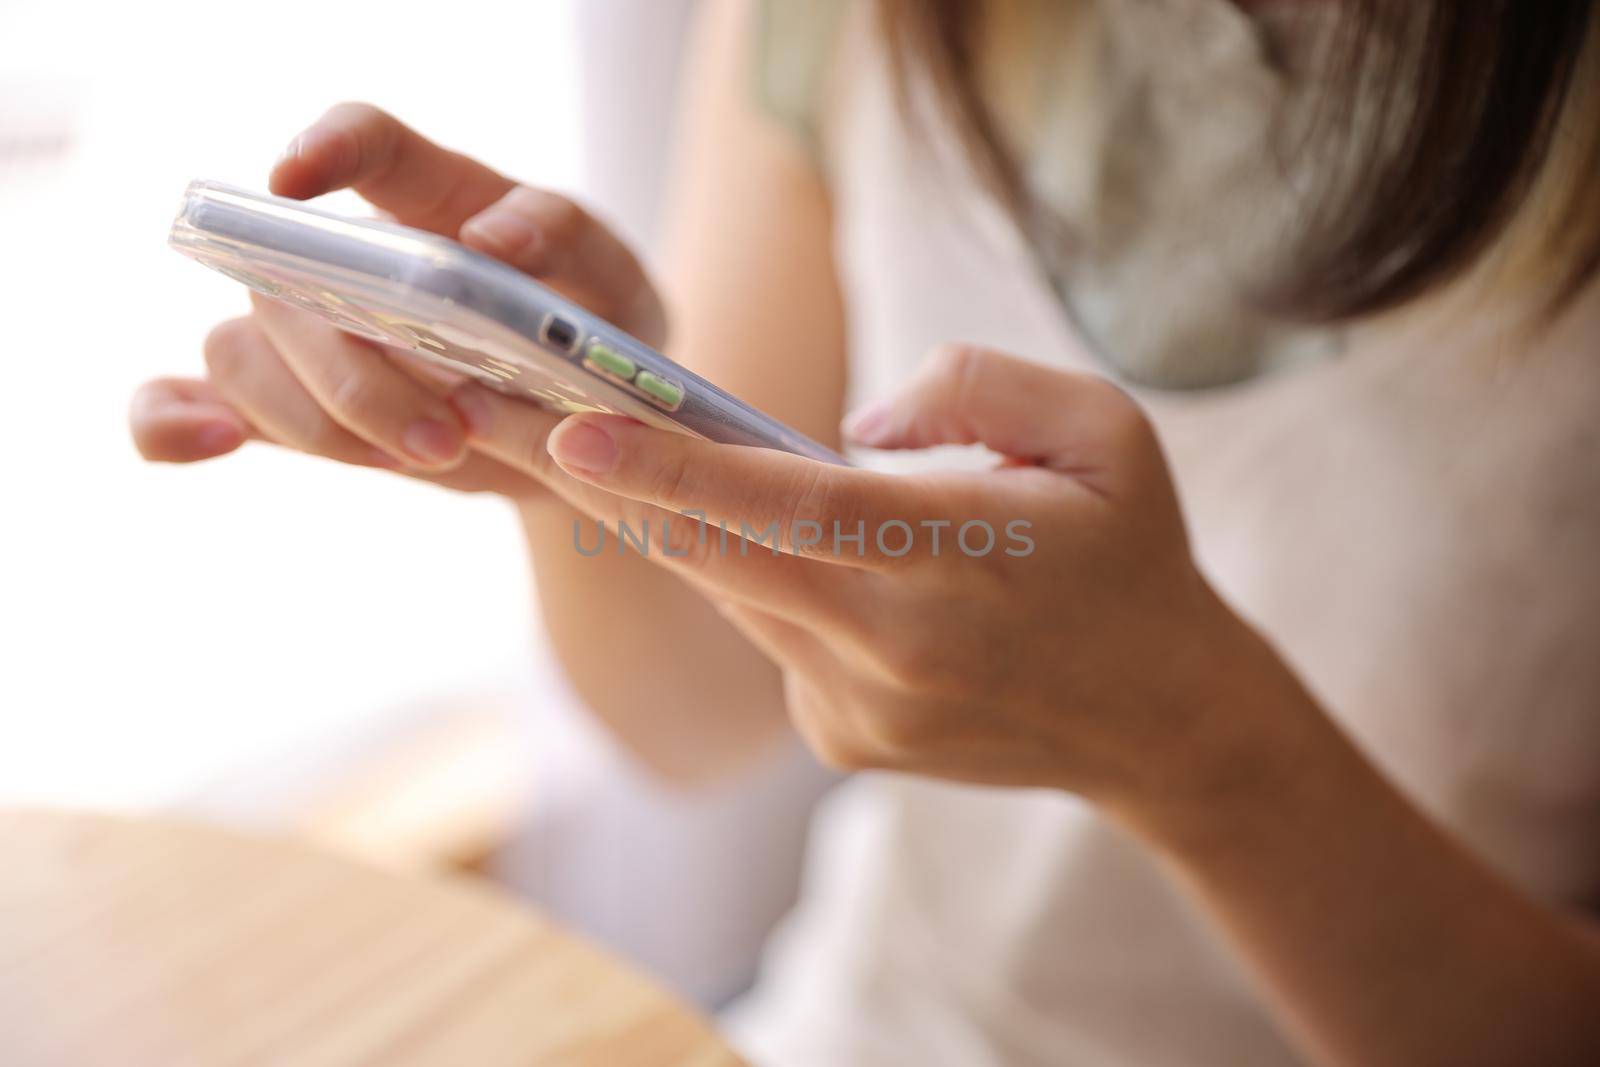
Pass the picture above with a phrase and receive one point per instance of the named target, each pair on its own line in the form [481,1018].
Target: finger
[182,420]
[1075,423]
[399,171]
[812,509]
[550,238]
[250,374]
[515,433]
[716,559]
[361,390]
[252,379]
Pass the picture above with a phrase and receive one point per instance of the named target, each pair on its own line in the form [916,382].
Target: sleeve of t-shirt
[792,59]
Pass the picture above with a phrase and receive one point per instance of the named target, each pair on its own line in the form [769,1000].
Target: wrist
[1256,740]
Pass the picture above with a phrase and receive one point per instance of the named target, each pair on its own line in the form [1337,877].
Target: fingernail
[432,441]
[507,232]
[473,408]
[219,437]
[583,446]
[293,148]
[867,424]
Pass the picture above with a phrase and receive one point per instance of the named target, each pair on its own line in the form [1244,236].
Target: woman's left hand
[1040,624]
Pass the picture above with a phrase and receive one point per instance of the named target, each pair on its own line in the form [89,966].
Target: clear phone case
[460,310]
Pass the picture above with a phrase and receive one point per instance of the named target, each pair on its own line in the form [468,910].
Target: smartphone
[461,310]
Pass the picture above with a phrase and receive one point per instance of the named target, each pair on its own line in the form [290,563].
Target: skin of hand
[1089,662]
[1099,663]
[285,376]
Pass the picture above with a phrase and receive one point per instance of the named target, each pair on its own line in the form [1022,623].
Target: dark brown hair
[1470,101]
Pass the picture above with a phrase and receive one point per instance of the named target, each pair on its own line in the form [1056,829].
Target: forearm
[1379,939]
[674,682]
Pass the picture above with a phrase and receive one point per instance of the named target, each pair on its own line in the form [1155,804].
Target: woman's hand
[285,376]
[1042,624]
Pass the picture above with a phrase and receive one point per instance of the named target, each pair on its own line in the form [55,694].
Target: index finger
[516,433]
[361,147]
[801,506]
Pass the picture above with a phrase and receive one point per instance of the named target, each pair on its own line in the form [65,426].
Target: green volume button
[667,394]
[612,362]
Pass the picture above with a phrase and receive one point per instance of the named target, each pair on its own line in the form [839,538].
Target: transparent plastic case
[461,310]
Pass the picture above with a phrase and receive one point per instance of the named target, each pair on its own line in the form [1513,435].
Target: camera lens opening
[560,334]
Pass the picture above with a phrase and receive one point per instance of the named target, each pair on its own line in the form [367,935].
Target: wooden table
[126,943]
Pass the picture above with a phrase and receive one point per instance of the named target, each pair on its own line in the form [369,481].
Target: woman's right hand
[285,376]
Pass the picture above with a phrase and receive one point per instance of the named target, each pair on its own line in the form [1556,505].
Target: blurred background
[271,640]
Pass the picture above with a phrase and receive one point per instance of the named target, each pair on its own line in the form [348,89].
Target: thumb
[550,238]
[1079,424]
